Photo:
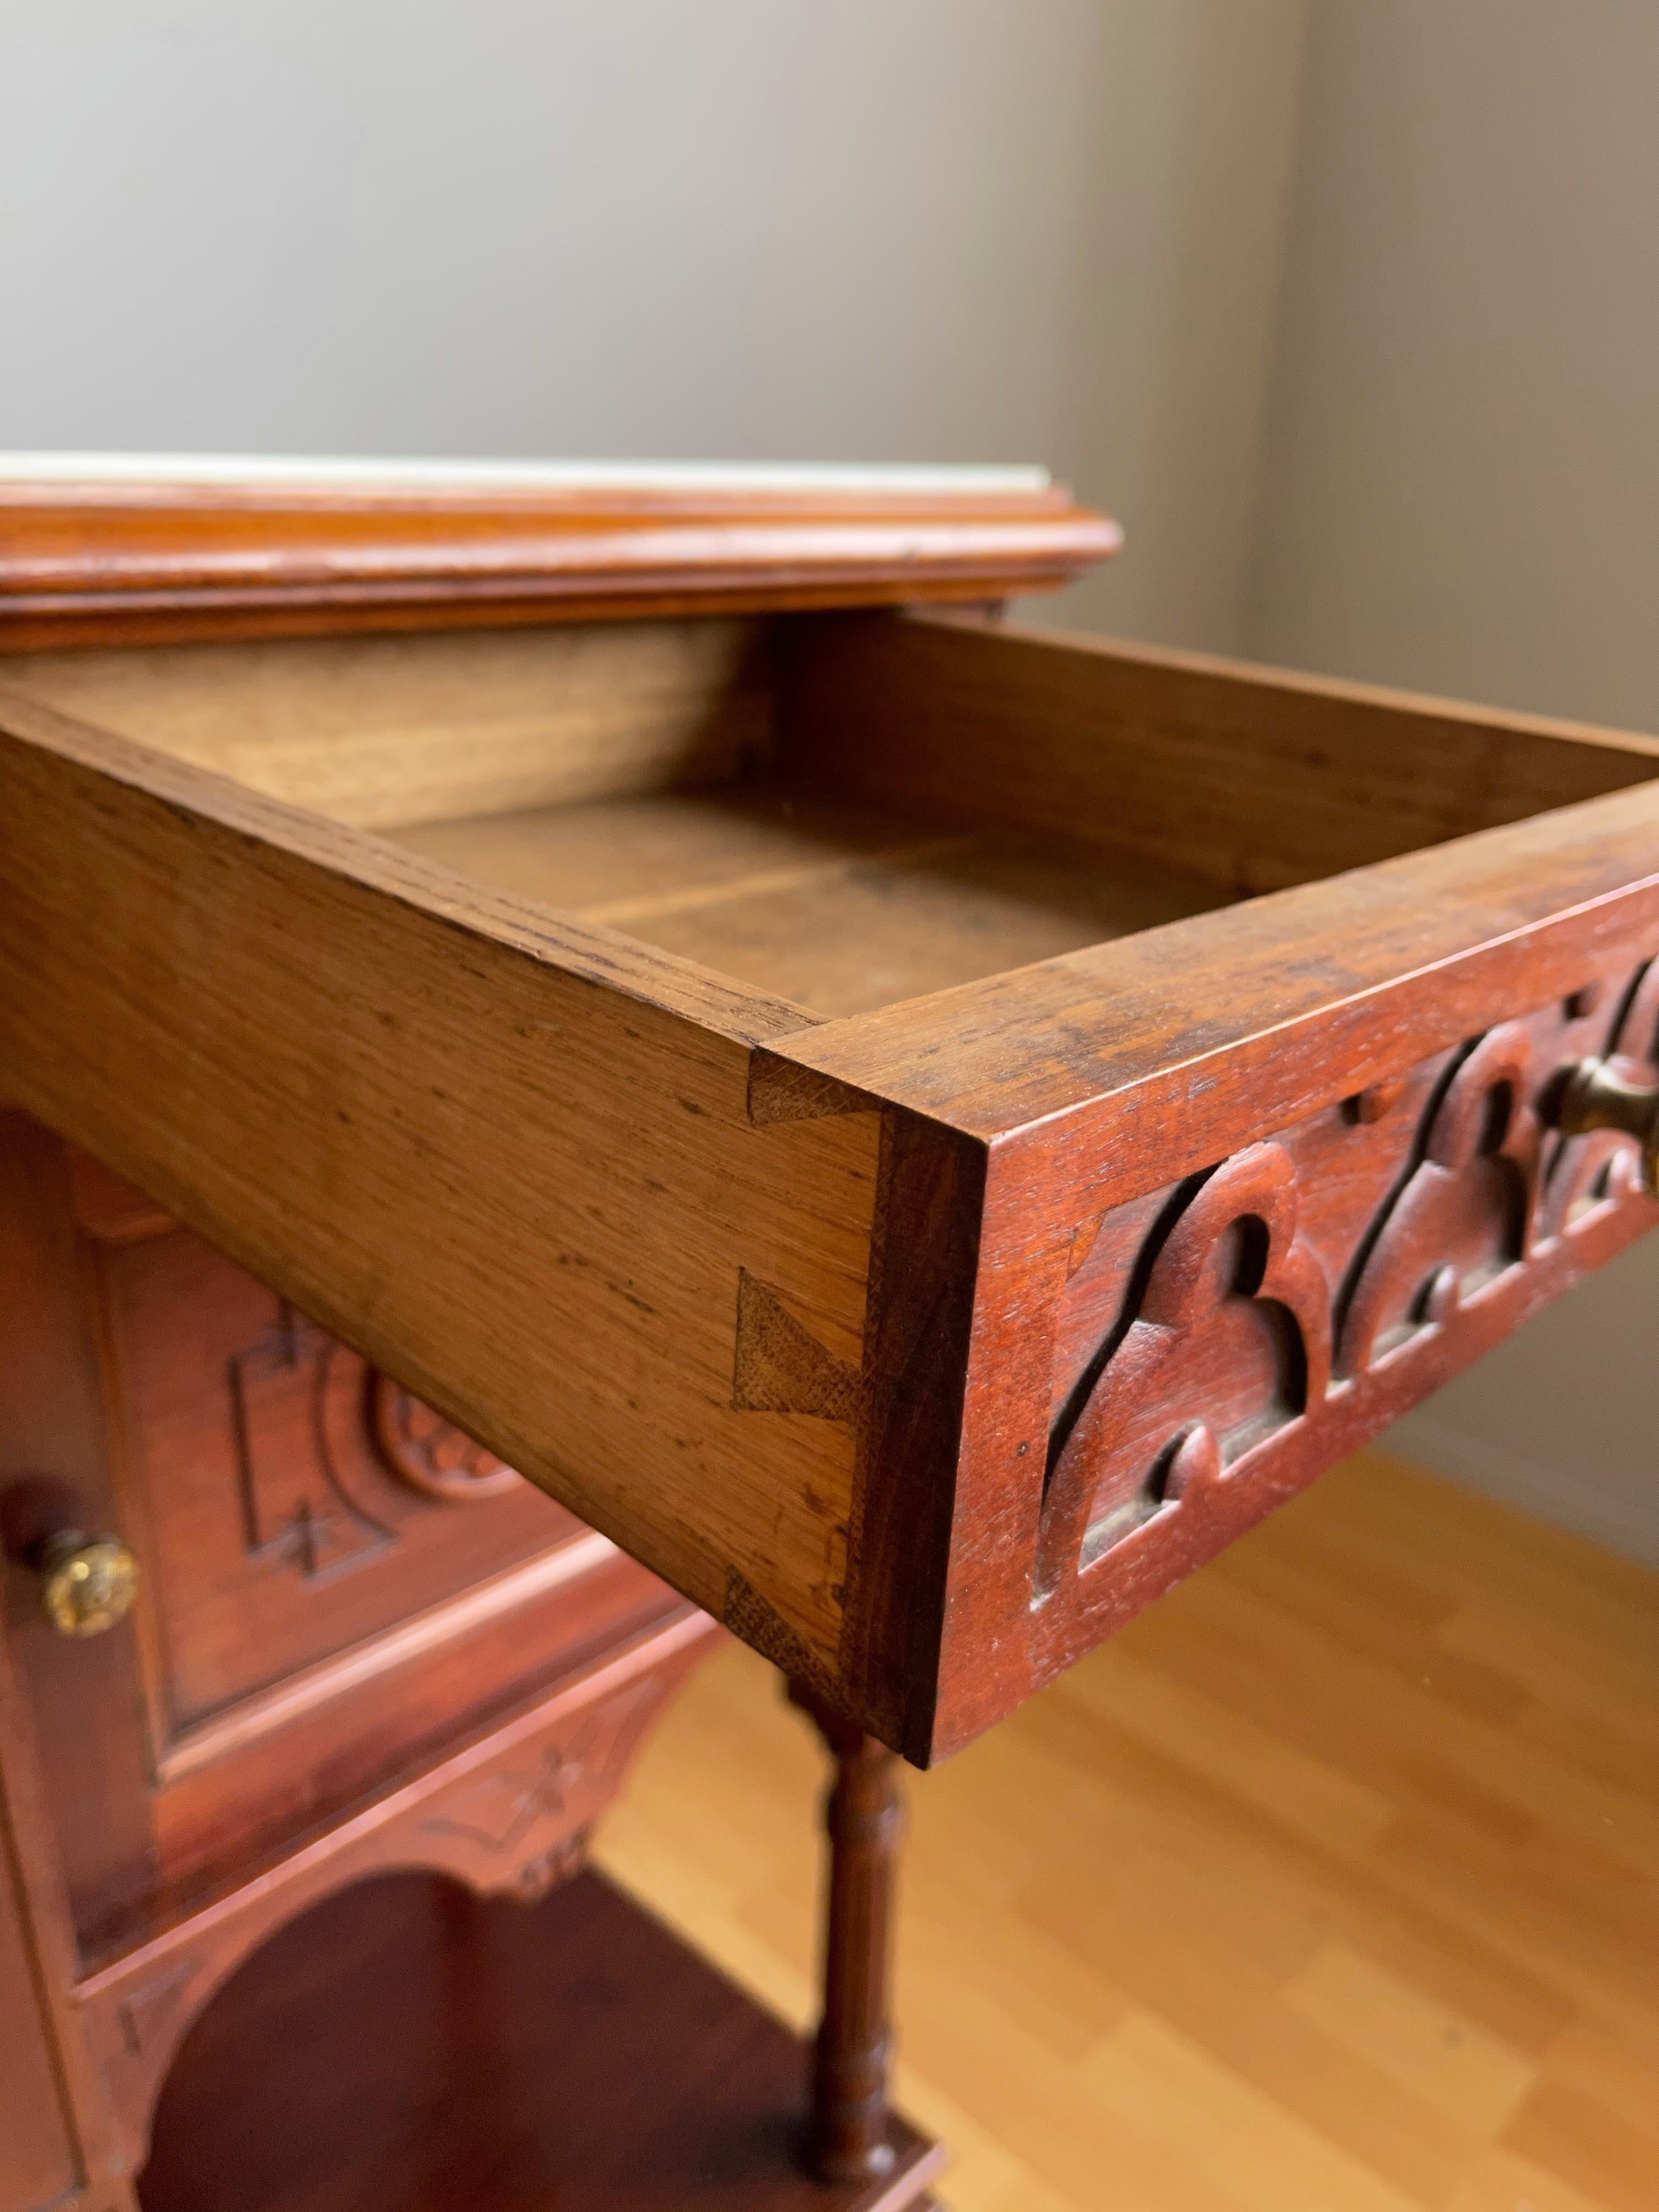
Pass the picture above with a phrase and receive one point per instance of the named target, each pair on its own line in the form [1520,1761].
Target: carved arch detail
[1228,1344]
[510,1817]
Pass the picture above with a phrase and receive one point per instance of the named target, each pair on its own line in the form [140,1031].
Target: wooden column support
[848,2137]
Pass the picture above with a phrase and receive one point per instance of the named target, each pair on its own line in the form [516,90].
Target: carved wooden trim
[1475,1169]
[428,1453]
[1255,1324]
[507,1813]
[297,1506]
[322,1406]
[415,1443]
[1231,1268]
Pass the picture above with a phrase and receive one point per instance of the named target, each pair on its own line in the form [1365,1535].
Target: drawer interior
[837,901]
[843,811]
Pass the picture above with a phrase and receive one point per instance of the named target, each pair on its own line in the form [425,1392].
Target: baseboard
[1547,1492]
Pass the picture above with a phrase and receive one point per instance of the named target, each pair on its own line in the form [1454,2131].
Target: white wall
[1462,493]
[907,229]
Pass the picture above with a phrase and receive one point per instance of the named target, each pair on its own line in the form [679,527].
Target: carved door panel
[336,1588]
[289,1501]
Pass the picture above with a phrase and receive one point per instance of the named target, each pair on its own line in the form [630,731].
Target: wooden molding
[97,551]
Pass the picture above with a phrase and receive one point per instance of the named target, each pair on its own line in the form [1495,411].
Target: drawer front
[1149,1376]
[289,1501]
[1221,1339]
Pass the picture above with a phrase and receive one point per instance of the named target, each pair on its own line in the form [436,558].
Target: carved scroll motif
[1230,1342]
[1464,1214]
[1213,1394]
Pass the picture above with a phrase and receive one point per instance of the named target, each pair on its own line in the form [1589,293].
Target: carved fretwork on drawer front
[1222,1341]
[1230,1318]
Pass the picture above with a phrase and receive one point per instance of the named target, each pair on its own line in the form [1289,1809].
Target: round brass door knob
[1593,1095]
[87,1583]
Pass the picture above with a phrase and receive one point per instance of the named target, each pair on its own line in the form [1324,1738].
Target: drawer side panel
[531,1193]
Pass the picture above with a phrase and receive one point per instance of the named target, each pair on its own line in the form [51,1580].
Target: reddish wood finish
[305,1622]
[281,1520]
[422,2051]
[1149,1370]
[507,1814]
[128,563]
[212,1828]
[1183,1218]
[1135,1266]
[359,1644]
[824,1373]
[850,2136]
[57,2146]
[1071,1272]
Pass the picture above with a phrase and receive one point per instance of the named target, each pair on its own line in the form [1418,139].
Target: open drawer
[922,1131]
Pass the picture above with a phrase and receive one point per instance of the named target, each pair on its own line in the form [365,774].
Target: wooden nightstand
[914,1131]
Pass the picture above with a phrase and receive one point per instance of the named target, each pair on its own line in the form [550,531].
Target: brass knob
[87,1583]
[1595,1095]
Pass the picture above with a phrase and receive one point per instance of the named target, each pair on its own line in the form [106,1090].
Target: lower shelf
[407,2046]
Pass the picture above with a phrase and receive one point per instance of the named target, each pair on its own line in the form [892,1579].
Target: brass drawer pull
[87,1583]
[1595,1095]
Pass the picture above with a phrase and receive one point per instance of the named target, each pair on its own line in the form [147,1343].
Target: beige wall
[1461,492]
[870,229]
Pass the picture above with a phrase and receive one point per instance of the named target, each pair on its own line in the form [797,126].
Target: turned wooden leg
[847,2137]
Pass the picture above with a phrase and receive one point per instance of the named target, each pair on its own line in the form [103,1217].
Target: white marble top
[418,476]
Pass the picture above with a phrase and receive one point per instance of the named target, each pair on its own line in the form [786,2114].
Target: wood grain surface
[39,2158]
[606,1264]
[1327,1887]
[1256,777]
[837,902]
[58,2144]
[381,731]
[131,562]
[779,1295]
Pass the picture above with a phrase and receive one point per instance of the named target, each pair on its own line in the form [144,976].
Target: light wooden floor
[1330,1886]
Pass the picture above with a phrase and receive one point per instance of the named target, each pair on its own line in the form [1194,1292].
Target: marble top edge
[210,470]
